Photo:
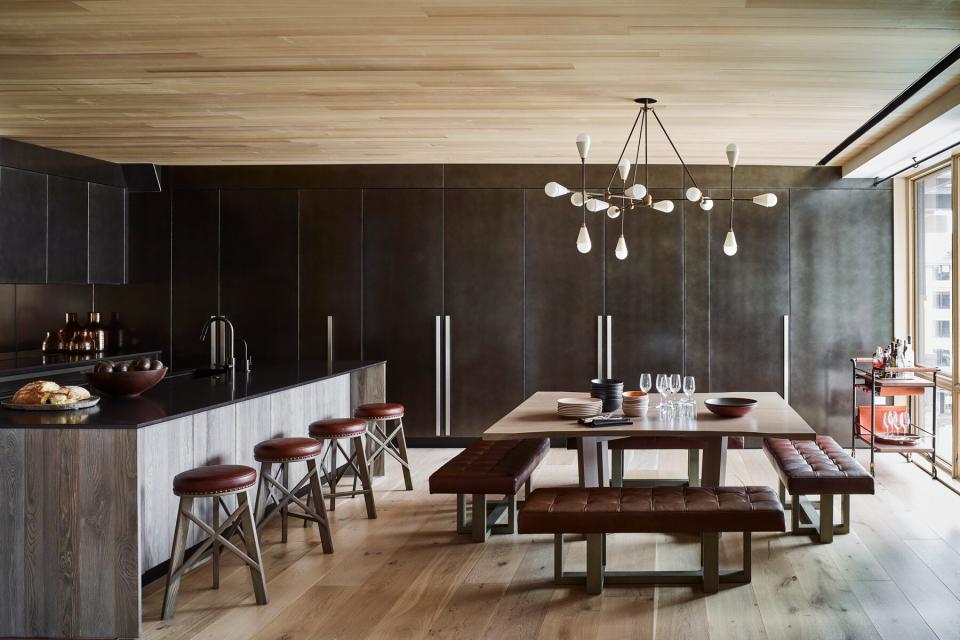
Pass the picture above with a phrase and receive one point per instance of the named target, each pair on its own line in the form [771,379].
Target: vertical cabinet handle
[437,365]
[446,370]
[609,346]
[786,358]
[329,338]
[599,346]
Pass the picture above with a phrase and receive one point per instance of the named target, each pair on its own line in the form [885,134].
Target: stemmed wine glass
[645,383]
[663,386]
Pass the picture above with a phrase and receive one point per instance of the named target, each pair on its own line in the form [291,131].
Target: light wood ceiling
[407,81]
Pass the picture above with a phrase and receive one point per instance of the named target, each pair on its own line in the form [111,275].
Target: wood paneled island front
[86,505]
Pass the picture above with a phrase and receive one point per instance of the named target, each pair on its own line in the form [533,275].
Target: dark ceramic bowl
[730,407]
[125,383]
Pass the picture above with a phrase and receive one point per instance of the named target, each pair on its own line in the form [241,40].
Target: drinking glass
[645,382]
[675,386]
[663,386]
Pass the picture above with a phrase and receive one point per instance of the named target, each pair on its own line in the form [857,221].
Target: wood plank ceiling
[407,81]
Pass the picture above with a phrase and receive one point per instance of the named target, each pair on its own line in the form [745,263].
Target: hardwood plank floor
[407,574]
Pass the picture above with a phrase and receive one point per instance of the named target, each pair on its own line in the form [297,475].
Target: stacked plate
[578,407]
[635,403]
[610,391]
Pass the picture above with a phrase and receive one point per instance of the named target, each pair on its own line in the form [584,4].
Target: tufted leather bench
[656,443]
[489,467]
[817,467]
[596,512]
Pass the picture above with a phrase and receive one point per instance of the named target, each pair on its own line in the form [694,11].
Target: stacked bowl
[609,391]
[635,403]
[578,407]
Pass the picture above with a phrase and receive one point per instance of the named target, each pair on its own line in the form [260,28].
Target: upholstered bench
[596,512]
[489,468]
[656,443]
[817,467]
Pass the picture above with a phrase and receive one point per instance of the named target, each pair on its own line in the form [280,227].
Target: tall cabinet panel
[403,295]
[258,270]
[564,295]
[331,273]
[841,299]
[483,299]
[749,294]
[644,293]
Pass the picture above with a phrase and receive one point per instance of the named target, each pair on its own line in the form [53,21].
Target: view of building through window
[934,288]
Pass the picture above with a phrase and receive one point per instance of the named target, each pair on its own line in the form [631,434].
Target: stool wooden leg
[252,543]
[174,573]
[402,450]
[364,469]
[326,539]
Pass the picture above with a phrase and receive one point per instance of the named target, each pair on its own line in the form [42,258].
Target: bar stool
[335,430]
[278,453]
[389,440]
[215,482]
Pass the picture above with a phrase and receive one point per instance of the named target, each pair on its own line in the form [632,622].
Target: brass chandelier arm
[679,157]
[624,150]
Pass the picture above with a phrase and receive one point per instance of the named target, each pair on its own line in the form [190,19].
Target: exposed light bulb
[583,239]
[595,205]
[555,190]
[613,211]
[577,199]
[583,145]
[623,167]
[621,250]
[635,192]
[766,199]
[730,244]
[666,206]
[706,204]
[733,154]
[693,194]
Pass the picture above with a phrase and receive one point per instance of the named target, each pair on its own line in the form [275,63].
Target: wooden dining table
[536,417]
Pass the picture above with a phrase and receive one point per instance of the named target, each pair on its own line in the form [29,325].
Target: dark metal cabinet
[195,272]
[644,294]
[403,295]
[483,300]
[331,273]
[841,297]
[107,235]
[564,295]
[67,225]
[23,226]
[258,270]
[749,295]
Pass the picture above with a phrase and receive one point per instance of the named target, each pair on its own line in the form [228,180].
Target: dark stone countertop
[181,395]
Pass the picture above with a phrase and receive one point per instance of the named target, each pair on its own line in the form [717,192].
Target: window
[943,300]
[943,328]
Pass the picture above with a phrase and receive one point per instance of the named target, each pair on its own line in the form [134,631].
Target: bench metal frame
[709,575]
[485,515]
[816,519]
[693,472]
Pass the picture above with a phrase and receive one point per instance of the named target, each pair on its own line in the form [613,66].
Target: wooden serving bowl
[125,383]
[730,407]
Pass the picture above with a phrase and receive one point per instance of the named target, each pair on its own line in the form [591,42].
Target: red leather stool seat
[338,428]
[380,410]
[287,449]
[214,479]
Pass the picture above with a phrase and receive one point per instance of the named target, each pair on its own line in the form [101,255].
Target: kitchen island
[86,502]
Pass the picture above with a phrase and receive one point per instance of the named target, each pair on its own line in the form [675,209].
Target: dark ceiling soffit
[942,65]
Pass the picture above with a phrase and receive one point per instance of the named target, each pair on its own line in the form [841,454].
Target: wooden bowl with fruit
[127,379]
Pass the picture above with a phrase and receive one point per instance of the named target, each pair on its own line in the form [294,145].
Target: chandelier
[615,200]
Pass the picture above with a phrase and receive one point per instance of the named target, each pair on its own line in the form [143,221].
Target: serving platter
[73,406]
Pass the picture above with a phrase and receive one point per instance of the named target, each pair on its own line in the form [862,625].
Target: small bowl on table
[126,384]
[730,407]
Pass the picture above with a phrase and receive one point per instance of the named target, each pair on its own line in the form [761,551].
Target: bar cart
[865,378]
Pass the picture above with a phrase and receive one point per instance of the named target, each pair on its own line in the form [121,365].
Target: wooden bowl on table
[125,383]
[730,407]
